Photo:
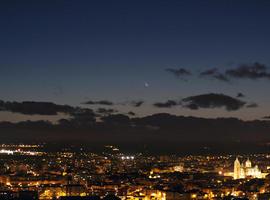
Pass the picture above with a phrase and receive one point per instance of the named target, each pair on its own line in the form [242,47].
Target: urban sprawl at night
[134,100]
[32,172]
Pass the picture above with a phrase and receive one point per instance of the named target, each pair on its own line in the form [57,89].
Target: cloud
[240,95]
[82,117]
[179,73]
[100,102]
[266,117]
[35,108]
[167,104]
[214,73]
[137,103]
[192,106]
[221,77]
[252,105]
[178,132]
[249,71]
[134,103]
[131,113]
[209,72]
[117,119]
[105,111]
[252,71]
[213,100]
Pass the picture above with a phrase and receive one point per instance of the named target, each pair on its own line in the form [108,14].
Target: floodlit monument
[245,170]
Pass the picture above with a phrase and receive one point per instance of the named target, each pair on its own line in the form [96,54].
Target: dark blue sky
[72,51]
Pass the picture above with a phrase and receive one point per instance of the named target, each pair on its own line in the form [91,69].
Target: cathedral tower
[237,169]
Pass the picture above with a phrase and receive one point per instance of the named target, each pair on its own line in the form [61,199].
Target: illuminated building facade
[244,170]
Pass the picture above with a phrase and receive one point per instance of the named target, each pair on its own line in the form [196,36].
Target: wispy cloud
[179,73]
[249,71]
[100,102]
[214,73]
[167,104]
[136,103]
[252,105]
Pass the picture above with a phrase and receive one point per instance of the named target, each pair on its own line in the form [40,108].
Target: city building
[245,169]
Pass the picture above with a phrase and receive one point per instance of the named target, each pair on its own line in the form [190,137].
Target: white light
[4,151]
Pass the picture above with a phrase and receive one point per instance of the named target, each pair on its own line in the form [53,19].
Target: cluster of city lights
[127,157]
[4,151]
[19,151]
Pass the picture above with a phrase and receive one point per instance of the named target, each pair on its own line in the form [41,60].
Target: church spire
[237,169]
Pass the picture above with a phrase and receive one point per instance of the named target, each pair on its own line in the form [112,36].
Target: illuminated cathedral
[245,170]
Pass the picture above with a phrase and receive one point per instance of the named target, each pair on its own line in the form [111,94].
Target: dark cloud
[252,105]
[131,113]
[192,106]
[106,111]
[240,95]
[249,71]
[134,103]
[167,104]
[137,103]
[101,102]
[266,117]
[33,108]
[80,118]
[155,129]
[221,77]
[117,119]
[213,101]
[209,72]
[179,72]
[214,73]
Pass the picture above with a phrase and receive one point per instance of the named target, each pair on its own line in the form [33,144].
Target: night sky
[204,59]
